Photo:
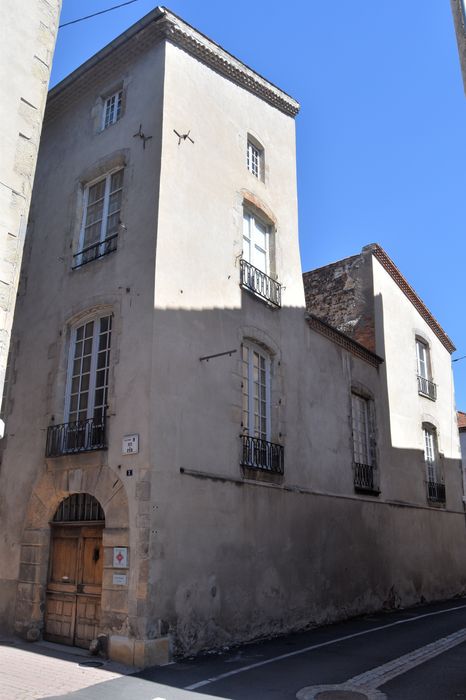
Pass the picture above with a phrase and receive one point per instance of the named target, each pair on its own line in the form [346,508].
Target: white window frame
[362,448]
[423,359]
[249,392]
[250,222]
[114,110]
[95,318]
[255,159]
[104,222]
[431,453]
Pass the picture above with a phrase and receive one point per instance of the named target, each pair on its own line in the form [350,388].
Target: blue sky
[381,136]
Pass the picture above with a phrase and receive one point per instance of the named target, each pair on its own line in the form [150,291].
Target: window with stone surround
[364,447]
[426,386]
[112,109]
[101,218]
[88,370]
[434,478]
[255,158]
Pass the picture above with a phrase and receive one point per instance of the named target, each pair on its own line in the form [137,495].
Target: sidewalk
[43,669]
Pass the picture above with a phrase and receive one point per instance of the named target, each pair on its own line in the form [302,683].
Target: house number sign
[130,445]
[120,557]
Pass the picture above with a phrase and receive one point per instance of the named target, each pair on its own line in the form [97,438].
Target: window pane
[361,437]
[116,181]
[255,398]
[246,238]
[86,357]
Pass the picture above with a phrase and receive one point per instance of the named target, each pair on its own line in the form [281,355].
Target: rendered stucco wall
[216,554]
[74,151]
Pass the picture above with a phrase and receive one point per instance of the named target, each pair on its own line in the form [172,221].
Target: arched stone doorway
[58,482]
[74,583]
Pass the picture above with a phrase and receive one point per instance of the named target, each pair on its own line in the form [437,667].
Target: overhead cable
[102,12]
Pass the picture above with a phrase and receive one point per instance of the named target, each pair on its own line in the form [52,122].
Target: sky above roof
[381,136]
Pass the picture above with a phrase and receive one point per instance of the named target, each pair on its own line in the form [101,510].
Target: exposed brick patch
[461,421]
[341,294]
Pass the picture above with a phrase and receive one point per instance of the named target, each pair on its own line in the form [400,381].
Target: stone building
[193,458]
[29,30]
[458,8]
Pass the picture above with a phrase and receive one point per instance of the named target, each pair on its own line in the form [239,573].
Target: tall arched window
[435,485]
[256,391]
[258,450]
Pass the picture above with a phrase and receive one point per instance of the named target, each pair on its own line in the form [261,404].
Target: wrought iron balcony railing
[426,387]
[95,251]
[261,284]
[436,492]
[261,454]
[364,478]
[79,436]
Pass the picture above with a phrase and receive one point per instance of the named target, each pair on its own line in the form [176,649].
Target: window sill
[261,474]
[436,504]
[368,491]
[427,396]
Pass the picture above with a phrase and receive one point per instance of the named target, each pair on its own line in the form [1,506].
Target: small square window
[255,160]
[112,109]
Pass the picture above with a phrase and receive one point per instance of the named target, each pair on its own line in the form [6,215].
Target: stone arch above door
[49,491]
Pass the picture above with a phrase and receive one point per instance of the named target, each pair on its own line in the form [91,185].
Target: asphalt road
[415,654]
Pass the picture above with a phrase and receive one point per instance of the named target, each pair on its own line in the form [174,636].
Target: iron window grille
[364,449]
[95,251]
[426,387]
[79,507]
[364,478]
[260,284]
[436,492]
[76,436]
[263,455]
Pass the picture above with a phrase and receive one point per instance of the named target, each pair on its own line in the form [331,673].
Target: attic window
[255,159]
[112,109]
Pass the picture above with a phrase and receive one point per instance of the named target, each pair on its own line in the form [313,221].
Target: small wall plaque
[130,445]
[120,557]
[120,579]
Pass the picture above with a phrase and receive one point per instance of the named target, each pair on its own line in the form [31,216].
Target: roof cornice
[162,24]
[388,264]
[201,47]
[343,340]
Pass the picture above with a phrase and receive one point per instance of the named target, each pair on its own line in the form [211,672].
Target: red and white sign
[120,557]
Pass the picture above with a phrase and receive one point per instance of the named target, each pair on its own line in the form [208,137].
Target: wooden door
[72,613]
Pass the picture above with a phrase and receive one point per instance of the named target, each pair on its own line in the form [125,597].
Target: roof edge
[389,266]
[183,35]
[343,340]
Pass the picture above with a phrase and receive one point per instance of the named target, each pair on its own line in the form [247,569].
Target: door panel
[72,613]
[64,560]
[87,619]
[92,565]
[60,617]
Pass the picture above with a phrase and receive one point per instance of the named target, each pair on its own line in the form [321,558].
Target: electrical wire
[102,12]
